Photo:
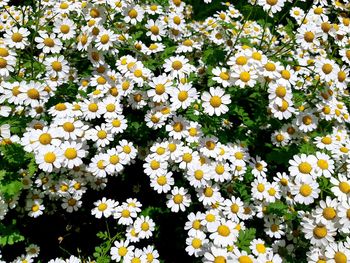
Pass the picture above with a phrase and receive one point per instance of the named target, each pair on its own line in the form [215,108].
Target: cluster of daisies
[125,58]
[138,227]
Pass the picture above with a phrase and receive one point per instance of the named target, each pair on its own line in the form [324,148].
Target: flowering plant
[162,131]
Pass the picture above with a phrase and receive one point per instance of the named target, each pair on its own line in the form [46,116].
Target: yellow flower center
[279,137]
[101,134]
[122,251]
[344,187]
[176,65]
[178,199]
[234,208]
[50,157]
[198,174]
[196,243]
[280,91]
[224,75]
[104,39]
[93,107]
[220,259]
[326,140]
[329,213]
[208,192]
[223,230]
[114,159]
[3,63]
[256,56]
[309,36]
[274,228]
[323,164]
[320,232]
[64,29]
[182,96]
[340,257]
[160,89]
[155,165]
[56,66]
[132,13]
[215,101]
[177,20]
[261,187]
[102,207]
[161,180]
[304,168]
[187,157]
[17,37]
[178,127]
[3,52]
[35,208]
[45,138]
[145,226]
[260,248]
[327,68]
[285,74]
[154,30]
[196,224]
[270,66]
[70,153]
[110,107]
[305,190]
[33,94]
[246,259]
[271,2]
[244,76]
[219,169]
[49,42]
[101,80]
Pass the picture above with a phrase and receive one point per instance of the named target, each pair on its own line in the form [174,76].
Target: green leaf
[2,174]
[9,235]
[11,188]
[277,208]
[244,239]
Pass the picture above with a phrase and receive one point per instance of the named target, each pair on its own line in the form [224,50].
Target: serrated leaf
[277,208]
[244,239]
[9,235]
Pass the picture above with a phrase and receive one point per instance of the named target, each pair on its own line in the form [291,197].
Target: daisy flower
[341,187]
[196,244]
[133,14]
[183,96]
[319,234]
[302,166]
[325,165]
[155,29]
[222,76]
[244,76]
[16,37]
[162,183]
[125,215]
[178,199]
[305,190]
[121,249]
[49,158]
[337,253]
[223,233]
[65,29]
[215,101]
[49,43]
[73,153]
[144,226]
[178,66]
[104,207]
